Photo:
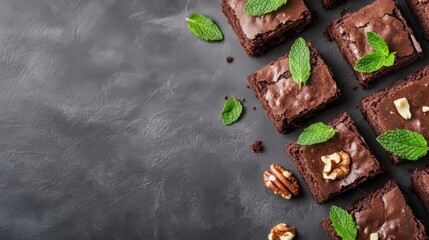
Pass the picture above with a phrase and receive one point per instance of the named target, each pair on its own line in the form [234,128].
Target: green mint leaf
[343,223]
[405,144]
[369,63]
[260,7]
[316,133]
[299,62]
[231,112]
[389,60]
[204,28]
[381,57]
[377,43]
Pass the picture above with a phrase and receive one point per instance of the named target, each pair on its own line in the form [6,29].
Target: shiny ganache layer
[378,17]
[389,216]
[417,94]
[362,161]
[252,26]
[283,94]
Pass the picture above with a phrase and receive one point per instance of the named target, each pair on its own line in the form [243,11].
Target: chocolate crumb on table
[257,146]
[382,17]
[329,4]
[260,34]
[385,212]
[229,59]
[225,97]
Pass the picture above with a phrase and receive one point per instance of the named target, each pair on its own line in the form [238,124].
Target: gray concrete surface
[110,129]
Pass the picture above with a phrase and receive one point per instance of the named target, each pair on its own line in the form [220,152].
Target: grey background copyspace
[110,127]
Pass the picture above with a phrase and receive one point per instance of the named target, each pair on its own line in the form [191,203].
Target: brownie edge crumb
[257,146]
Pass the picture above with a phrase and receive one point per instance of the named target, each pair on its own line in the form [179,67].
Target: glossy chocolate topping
[252,26]
[283,95]
[389,216]
[417,94]
[346,140]
[380,18]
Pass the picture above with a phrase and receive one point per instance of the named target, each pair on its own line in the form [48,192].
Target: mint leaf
[316,133]
[389,60]
[369,63]
[260,7]
[377,43]
[231,112]
[405,144]
[381,57]
[299,62]
[204,28]
[343,223]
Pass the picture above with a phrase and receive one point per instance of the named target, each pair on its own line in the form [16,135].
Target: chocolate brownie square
[385,212]
[258,35]
[385,19]
[286,105]
[381,113]
[420,10]
[363,165]
[328,4]
[420,184]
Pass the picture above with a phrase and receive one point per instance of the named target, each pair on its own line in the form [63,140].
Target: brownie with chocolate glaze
[420,185]
[363,164]
[420,10]
[381,113]
[328,4]
[385,212]
[258,35]
[382,17]
[286,105]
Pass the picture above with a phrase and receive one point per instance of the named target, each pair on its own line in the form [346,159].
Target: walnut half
[337,165]
[282,231]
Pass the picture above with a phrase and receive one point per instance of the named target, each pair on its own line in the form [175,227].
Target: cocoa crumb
[254,108]
[229,59]
[225,97]
[257,146]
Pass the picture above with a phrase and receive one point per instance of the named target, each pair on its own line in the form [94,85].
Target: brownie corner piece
[329,4]
[286,105]
[380,111]
[420,184]
[384,211]
[307,159]
[420,11]
[258,35]
[384,18]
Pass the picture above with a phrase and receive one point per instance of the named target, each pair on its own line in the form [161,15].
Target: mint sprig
[380,57]
[232,110]
[343,223]
[404,143]
[204,28]
[299,62]
[260,7]
[316,133]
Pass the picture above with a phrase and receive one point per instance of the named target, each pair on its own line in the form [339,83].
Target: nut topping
[403,108]
[337,165]
[373,236]
[425,109]
[281,181]
[282,232]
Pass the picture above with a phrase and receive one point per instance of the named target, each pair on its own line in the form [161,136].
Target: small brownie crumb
[243,100]
[229,59]
[354,88]
[257,146]
[254,108]
[247,86]
[225,97]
